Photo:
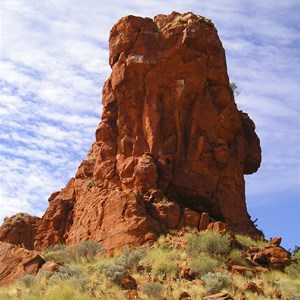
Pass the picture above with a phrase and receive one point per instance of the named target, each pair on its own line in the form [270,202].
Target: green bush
[88,249]
[59,253]
[208,242]
[247,241]
[68,271]
[19,217]
[153,289]
[215,282]
[130,258]
[166,268]
[163,261]
[290,288]
[203,264]
[28,280]
[63,290]
[112,270]
[237,257]
[294,269]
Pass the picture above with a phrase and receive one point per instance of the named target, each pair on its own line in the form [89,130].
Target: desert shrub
[180,20]
[113,292]
[237,256]
[166,268]
[163,261]
[215,282]
[247,241]
[203,264]
[161,242]
[59,253]
[208,242]
[91,184]
[294,269]
[67,271]
[88,249]
[115,269]
[290,288]
[63,290]
[130,258]
[28,280]
[19,217]
[112,270]
[153,289]
[73,274]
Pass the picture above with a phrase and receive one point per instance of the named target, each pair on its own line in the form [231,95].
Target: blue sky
[54,60]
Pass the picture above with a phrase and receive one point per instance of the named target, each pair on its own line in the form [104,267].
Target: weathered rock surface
[128,282]
[253,288]
[16,262]
[219,296]
[171,143]
[20,230]
[273,257]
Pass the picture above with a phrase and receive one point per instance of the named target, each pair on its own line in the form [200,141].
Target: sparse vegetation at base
[245,241]
[210,242]
[198,264]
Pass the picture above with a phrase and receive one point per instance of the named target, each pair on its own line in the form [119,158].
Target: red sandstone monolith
[171,143]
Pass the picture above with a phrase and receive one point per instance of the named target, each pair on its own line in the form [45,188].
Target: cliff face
[171,143]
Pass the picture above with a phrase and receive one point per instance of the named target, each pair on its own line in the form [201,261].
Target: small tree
[234,88]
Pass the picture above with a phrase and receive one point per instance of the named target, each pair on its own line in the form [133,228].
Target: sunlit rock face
[171,144]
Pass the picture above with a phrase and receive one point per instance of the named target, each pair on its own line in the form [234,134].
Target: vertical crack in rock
[171,144]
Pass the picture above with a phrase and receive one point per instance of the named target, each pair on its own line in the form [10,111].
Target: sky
[54,61]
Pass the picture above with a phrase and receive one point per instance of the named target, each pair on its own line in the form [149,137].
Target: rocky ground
[181,265]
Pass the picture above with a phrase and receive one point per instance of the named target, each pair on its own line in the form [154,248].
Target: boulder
[276,241]
[242,270]
[185,296]
[16,262]
[204,221]
[187,274]
[253,288]
[191,218]
[20,230]
[218,227]
[219,296]
[128,282]
[50,267]
[274,257]
[132,294]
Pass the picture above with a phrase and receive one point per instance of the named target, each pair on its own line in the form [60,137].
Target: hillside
[181,265]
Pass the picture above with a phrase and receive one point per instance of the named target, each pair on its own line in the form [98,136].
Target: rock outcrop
[16,262]
[171,144]
[20,230]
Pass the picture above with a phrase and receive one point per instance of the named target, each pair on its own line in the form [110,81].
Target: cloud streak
[54,60]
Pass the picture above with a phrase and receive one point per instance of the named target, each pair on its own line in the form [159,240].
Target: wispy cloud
[54,60]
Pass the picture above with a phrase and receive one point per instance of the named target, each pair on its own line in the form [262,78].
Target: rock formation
[20,230]
[16,262]
[171,144]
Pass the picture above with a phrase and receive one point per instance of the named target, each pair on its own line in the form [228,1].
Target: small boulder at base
[218,227]
[218,296]
[185,296]
[128,282]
